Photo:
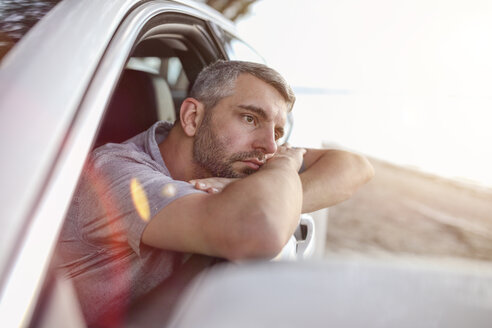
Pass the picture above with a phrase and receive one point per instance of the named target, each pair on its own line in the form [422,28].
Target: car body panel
[337,293]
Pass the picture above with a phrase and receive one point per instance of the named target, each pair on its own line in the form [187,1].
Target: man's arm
[332,176]
[252,217]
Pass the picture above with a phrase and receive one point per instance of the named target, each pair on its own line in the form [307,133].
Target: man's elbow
[361,172]
[366,170]
[260,249]
[260,239]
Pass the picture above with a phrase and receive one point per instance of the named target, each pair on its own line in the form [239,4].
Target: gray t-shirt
[122,187]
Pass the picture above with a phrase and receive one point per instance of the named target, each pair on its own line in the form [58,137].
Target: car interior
[157,78]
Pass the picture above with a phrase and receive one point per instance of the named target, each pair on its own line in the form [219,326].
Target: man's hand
[286,155]
[212,185]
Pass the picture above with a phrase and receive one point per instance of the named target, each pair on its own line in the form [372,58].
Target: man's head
[217,81]
[241,110]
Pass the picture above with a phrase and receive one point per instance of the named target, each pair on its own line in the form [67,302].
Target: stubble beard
[211,158]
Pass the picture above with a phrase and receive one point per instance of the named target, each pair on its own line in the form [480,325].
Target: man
[214,183]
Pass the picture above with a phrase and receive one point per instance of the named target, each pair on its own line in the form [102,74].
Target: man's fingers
[211,185]
[293,153]
[303,150]
[199,185]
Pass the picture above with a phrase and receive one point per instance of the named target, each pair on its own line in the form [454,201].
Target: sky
[404,81]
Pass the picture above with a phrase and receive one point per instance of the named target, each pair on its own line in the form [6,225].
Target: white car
[88,72]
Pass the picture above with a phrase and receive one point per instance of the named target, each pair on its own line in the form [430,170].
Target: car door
[68,89]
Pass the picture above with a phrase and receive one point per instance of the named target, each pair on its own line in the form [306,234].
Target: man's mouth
[254,164]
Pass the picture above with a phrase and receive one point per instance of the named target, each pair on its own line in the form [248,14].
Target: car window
[236,49]
[168,70]
[174,74]
[173,71]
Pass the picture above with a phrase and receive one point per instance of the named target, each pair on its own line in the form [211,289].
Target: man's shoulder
[119,152]
[142,148]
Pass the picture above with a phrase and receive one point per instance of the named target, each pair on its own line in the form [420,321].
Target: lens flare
[169,190]
[140,199]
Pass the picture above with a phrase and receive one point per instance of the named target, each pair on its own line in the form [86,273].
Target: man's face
[239,134]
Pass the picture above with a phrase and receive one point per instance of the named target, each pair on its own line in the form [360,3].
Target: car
[88,73]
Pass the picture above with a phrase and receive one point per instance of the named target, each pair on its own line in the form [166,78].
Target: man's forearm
[275,193]
[262,209]
[331,177]
[250,218]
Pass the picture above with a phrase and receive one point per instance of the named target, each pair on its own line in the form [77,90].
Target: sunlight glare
[169,190]
[140,200]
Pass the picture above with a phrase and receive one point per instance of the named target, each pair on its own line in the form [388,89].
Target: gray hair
[217,81]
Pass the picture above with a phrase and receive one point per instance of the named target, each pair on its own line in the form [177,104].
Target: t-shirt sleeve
[125,189]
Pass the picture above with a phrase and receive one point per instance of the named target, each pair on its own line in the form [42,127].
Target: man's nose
[266,141]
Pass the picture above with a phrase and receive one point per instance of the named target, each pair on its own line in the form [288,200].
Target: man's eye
[249,119]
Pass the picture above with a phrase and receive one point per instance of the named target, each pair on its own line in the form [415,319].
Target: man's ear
[191,115]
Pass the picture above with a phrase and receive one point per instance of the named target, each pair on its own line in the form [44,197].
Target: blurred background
[408,84]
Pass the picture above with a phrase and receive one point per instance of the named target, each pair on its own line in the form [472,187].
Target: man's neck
[177,152]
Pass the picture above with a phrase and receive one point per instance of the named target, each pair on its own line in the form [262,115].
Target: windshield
[16,19]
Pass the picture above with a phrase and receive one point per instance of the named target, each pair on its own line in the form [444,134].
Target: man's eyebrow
[257,110]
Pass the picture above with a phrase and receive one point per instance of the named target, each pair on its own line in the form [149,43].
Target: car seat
[140,99]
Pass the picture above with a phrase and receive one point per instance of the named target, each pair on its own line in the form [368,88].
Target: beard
[211,158]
